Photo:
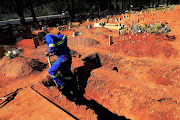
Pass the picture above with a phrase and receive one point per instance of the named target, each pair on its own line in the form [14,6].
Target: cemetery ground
[136,76]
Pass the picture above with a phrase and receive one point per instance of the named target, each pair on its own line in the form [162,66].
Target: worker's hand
[47,53]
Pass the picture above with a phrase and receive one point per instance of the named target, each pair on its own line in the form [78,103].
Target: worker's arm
[51,44]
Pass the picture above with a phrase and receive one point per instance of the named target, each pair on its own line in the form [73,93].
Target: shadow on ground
[81,76]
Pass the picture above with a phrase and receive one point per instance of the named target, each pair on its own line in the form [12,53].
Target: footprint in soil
[78,89]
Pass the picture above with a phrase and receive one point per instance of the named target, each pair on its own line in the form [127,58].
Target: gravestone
[2,51]
[44,28]
[119,18]
[120,32]
[119,24]
[59,28]
[116,19]
[110,40]
[36,42]
[88,20]
[89,26]
[96,24]
[19,39]
[123,17]
[75,33]
[126,16]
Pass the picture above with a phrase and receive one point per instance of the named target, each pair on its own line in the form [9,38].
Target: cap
[41,35]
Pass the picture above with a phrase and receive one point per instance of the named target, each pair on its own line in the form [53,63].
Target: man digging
[60,70]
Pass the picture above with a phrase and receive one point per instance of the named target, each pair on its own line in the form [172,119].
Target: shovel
[50,66]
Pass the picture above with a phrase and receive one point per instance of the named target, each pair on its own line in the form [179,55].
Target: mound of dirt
[83,42]
[15,67]
[144,45]
[101,29]
[25,43]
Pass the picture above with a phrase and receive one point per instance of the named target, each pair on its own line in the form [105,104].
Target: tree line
[36,7]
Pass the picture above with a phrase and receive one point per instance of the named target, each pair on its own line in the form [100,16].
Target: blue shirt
[57,45]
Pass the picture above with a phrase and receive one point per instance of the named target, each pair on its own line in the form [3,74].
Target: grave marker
[59,28]
[110,40]
[126,16]
[89,26]
[19,39]
[119,24]
[44,28]
[36,42]
[116,19]
[119,18]
[69,27]
[75,33]
[88,20]
[2,51]
[123,17]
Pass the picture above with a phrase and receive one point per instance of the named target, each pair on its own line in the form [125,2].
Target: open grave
[133,75]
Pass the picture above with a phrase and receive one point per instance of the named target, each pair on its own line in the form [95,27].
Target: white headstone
[59,28]
[89,26]
[119,18]
[119,24]
[116,19]
[123,16]
[75,34]
[126,16]
[88,20]
[44,28]
[96,25]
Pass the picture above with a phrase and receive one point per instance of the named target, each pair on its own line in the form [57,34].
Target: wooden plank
[36,42]
[110,40]
[2,51]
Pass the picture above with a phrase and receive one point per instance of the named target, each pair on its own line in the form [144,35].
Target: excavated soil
[137,77]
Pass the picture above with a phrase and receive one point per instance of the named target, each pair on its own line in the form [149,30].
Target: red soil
[145,86]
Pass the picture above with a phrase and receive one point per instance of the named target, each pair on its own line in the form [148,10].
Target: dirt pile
[87,42]
[144,45]
[15,67]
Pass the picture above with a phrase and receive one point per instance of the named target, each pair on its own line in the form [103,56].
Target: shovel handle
[50,66]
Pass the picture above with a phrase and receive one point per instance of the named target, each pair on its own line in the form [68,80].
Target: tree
[14,6]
